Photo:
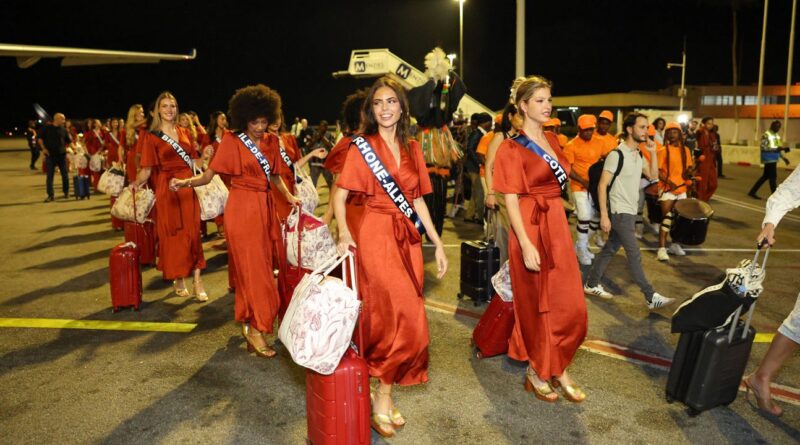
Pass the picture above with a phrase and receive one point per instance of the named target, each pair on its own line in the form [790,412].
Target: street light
[460,38]
[682,66]
[452,57]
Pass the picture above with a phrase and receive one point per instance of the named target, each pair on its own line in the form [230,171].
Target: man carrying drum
[674,169]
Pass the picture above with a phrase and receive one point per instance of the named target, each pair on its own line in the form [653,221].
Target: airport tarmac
[72,384]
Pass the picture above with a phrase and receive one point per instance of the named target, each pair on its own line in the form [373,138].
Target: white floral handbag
[81,159]
[311,236]
[96,162]
[501,281]
[212,198]
[305,191]
[132,206]
[112,181]
[318,326]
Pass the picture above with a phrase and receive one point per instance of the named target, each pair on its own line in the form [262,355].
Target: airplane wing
[28,55]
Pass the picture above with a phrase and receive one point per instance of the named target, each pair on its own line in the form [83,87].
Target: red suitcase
[494,328]
[125,276]
[143,235]
[338,405]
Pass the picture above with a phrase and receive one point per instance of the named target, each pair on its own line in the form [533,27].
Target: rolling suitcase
[80,185]
[143,235]
[479,261]
[125,276]
[494,328]
[708,366]
[338,405]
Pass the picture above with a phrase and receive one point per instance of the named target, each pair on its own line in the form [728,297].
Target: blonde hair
[192,128]
[526,87]
[156,124]
[130,129]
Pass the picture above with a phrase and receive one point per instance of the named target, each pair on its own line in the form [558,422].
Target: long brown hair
[130,128]
[156,124]
[403,125]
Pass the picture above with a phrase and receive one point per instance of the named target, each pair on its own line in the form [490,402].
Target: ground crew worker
[771,148]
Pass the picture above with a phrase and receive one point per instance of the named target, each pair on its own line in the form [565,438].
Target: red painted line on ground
[453,309]
[628,353]
[744,164]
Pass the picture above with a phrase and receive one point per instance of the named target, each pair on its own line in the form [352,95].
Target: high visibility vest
[773,142]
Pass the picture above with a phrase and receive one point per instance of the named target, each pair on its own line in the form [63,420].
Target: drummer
[674,168]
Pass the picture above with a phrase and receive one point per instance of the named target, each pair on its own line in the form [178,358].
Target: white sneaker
[676,249]
[639,232]
[654,227]
[662,254]
[597,291]
[659,301]
[599,241]
[584,257]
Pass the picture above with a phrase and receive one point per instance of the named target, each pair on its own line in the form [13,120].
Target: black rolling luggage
[480,260]
[708,365]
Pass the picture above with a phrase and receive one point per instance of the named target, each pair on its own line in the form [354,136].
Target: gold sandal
[201,296]
[180,292]
[382,424]
[570,392]
[398,421]
[263,352]
[542,392]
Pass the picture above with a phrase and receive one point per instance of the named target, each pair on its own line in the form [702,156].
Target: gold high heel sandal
[180,292]
[263,352]
[570,392]
[543,392]
[201,296]
[398,421]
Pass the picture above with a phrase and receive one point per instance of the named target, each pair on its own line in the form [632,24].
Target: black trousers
[34,156]
[437,201]
[60,161]
[317,170]
[719,162]
[771,174]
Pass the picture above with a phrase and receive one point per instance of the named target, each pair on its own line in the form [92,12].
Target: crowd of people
[516,166]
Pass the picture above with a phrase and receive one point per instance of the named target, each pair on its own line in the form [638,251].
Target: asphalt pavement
[76,386]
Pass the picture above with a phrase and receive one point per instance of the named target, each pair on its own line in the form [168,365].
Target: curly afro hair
[252,102]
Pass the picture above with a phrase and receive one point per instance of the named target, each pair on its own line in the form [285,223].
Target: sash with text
[558,171]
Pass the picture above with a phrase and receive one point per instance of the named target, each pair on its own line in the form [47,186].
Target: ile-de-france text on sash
[555,166]
[177,147]
[262,161]
[387,182]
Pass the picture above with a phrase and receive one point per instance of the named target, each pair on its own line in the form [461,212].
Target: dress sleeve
[425,187]
[509,174]
[227,158]
[334,162]
[149,150]
[355,175]
[274,156]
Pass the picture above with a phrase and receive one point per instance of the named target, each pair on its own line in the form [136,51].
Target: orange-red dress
[178,222]
[251,229]
[390,266]
[334,163]
[549,305]
[282,206]
[95,142]
[706,185]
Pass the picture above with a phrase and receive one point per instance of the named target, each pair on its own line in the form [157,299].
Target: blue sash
[262,161]
[555,166]
[288,161]
[177,147]
[387,182]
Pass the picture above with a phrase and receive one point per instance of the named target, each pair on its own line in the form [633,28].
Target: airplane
[28,55]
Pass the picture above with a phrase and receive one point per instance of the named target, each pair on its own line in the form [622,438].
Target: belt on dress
[405,235]
[260,185]
[541,227]
[166,172]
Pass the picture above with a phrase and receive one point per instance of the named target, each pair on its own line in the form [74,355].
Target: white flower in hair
[437,65]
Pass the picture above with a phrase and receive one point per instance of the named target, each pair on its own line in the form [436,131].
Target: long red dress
[334,163]
[390,266]
[178,224]
[707,168]
[549,305]
[282,206]
[251,229]
[95,141]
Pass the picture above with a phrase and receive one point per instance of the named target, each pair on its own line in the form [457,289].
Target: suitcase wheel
[692,412]
[460,296]
[114,310]
[479,354]
[135,308]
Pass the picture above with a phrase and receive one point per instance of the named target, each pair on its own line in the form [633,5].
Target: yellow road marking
[764,338]
[105,325]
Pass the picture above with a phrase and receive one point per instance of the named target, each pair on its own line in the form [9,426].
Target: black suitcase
[480,260]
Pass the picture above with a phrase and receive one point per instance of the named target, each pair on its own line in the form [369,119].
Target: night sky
[294,46]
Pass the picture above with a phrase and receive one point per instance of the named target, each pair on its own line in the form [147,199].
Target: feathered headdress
[437,65]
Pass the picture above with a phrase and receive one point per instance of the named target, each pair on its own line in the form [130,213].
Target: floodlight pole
[789,73]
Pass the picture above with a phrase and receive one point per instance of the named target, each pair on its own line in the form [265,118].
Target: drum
[690,221]
[651,200]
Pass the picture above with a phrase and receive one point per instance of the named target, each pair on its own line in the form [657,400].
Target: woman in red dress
[180,251]
[96,141]
[351,116]
[548,297]
[113,142]
[130,137]
[390,266]
[252,228]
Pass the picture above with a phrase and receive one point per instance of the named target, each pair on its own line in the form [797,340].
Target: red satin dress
[390,266]
[112,148]
[550,309]
[707,168]
[334,163]
[251,229]
[282,206]
[95,143]
[178,224]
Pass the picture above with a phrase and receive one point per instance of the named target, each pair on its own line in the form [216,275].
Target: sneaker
[662,254]
[597,291]
[659,301]
[639,231]
[49,199]
[753,195]
[584,257]
[655,228]
[676,249]
[599,241]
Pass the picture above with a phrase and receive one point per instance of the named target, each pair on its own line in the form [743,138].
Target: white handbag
[96,162]
[501,281]
[318,326]
[212,198]
[112,181]
[305,191]
[311,236]
[81,159]
[134,207]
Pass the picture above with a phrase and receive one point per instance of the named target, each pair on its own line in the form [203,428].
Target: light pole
[789,72]
[461,38]
[682,66]
[757,136]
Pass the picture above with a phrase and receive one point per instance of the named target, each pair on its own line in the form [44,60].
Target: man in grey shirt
[623,197]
